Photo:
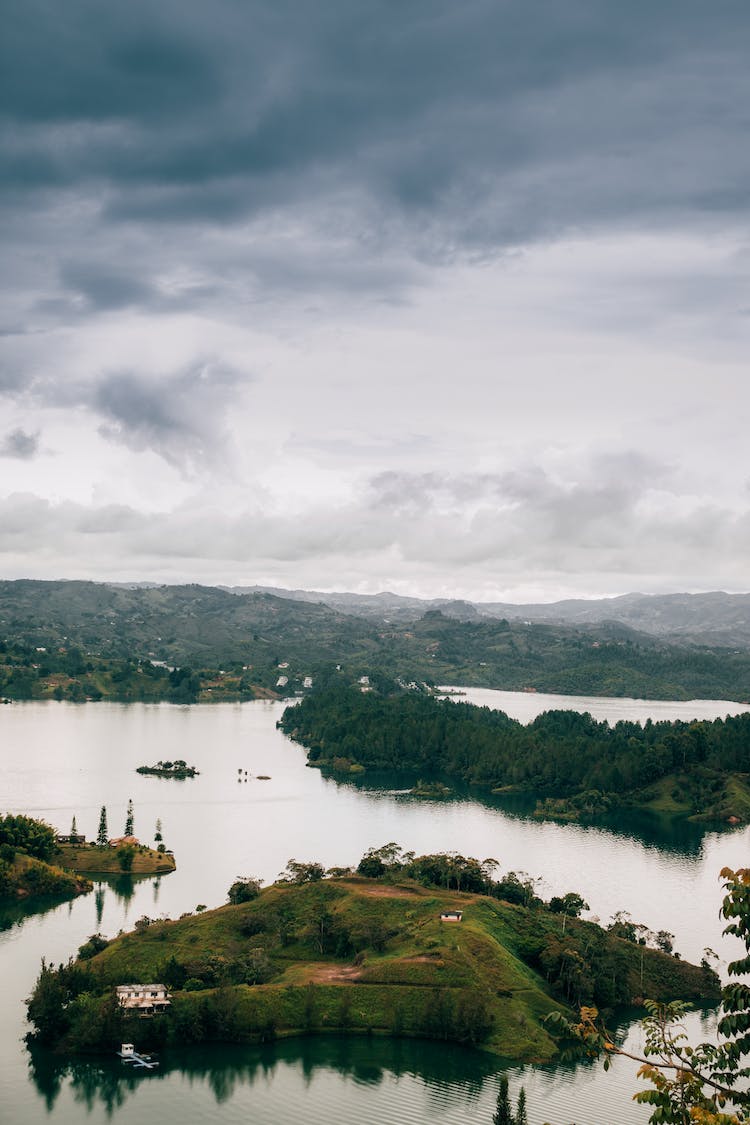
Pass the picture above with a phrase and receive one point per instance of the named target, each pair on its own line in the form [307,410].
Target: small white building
[145,999]
[282,681]
[307,682]
[451,916]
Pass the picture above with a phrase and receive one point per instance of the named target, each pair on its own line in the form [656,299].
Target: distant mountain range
[716,618]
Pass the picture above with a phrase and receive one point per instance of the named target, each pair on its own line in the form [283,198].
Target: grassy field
[106,861]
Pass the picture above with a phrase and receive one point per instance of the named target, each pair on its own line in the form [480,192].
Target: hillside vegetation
[79,640]
[27,851]
[359,955]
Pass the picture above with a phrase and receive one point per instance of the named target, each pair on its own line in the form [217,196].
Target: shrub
[95,944]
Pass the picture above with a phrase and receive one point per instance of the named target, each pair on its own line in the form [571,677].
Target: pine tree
[74,828]
[129,819]
[102,835]
[521,1118]
[157,833]
[503,1114]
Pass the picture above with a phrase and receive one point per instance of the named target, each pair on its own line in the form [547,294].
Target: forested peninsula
[576,766]
[391,952]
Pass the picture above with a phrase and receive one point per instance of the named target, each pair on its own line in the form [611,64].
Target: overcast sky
[444,298]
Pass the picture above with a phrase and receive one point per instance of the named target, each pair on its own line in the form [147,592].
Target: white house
[451,916]
[146,999]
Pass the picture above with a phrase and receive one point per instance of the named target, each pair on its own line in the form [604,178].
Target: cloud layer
[420,293]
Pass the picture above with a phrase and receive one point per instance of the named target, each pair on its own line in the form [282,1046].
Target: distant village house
[451,916]
[120,841]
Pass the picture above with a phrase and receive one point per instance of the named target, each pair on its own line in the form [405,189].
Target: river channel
[62,760]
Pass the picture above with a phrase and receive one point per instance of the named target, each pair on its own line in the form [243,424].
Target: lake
[61,760]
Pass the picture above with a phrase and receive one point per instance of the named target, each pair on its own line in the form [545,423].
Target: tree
[125,856]
[503,1114]
[665,941]
[298,872]
[157,833]
[521,1118]
[102,836]
[129,819]
[244,889]
[25,834]
[74,827]
[692,1084]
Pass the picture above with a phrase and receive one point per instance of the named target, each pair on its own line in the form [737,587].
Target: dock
[129,1054]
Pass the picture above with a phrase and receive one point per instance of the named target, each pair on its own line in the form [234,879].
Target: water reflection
[674,835]
[15,913]
[223,1069]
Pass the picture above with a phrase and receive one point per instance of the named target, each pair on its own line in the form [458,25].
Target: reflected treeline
[365,1060]
[674,835]
[15,913]
[123,886]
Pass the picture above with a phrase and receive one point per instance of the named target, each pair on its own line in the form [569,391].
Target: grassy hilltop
[357,955]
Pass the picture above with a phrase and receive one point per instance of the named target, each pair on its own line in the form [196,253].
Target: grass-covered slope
[24,877]
[357,955]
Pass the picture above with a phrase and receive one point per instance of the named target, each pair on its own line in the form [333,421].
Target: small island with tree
[179,769]
[113,855]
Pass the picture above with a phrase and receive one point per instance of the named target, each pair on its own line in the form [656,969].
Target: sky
[450,299]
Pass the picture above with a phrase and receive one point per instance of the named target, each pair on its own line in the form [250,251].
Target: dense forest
[561,754]
[119,642]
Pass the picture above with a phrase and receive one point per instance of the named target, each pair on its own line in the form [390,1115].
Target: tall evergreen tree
[102,835]
[157,833]
[503,1114]
[521,1118]
[129,819]
[74,828]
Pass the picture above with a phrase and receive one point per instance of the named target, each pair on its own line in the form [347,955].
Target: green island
[178,769]
[578,768]
[27,849]
[137,859]
[344,951]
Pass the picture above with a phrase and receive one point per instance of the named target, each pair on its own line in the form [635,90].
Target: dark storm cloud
[104,287]
[504,120]
[19,444]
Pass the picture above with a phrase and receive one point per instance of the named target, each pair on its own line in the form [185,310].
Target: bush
[244,890]
[95,944]
[249,927]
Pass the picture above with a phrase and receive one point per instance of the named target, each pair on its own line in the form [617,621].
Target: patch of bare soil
[334,974]
[383,890]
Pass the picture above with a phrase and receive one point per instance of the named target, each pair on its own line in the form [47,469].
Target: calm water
[60,760]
